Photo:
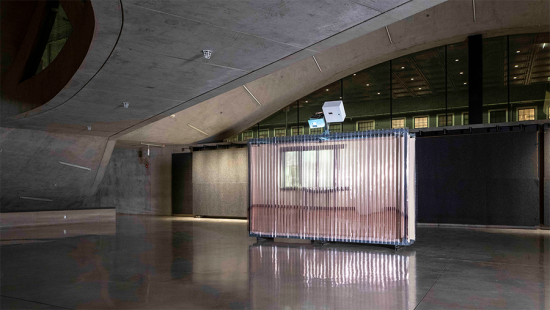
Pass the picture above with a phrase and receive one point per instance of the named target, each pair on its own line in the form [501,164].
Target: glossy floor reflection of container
[182,263]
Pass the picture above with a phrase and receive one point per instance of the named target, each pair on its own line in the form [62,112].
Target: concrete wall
[137,184]
[220,182]
[34,178]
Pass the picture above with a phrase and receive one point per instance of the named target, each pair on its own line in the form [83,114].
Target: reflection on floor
[185,263]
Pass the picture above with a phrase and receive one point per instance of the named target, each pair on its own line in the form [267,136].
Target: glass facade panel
[441,120]
[316,131]
[280,132]
[466,118]
[433,83]
[529,72]
[526,114]
[248,135]
[421,122]
[497,116]
[297,131]
[398,123]
[365,125]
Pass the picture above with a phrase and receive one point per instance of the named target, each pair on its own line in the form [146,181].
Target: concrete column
[475,79]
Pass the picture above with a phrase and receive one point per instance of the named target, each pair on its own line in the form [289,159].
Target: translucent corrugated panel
[352,187]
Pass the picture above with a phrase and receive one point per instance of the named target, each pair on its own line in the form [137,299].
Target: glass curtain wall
[430,89]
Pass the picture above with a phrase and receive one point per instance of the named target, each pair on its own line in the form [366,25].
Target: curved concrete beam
[236,110]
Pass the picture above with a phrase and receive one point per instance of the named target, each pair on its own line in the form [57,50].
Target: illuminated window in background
[497,116]
[365,125]
[335,127]
[61,31]
[466,118]
[264,133]
[295,131]
[316,131]
[248,135]
[526,114]
[317,169]
[419,122]
[441,120]
[280,132]
[398,123]
[232,139]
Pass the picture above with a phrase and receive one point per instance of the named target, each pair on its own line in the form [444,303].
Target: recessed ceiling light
[456,59]
[327,89]
[419,87]
[465,83]
[461,72]
[543,45]
[379,93]
[368,84]
[515,77]
[306,101]
[517,52]
[516,66]
[354,74]
[412,79]
[340,97]
[404,67]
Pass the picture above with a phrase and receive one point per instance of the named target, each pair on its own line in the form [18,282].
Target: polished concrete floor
[183,263]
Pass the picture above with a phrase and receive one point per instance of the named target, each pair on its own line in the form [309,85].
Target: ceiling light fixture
[543,45]
[516,66]
[251,94]
[456,59]
[379,93]
[515,77]
[327,89]
[517,52]
[419,88]
[465,83]
[204,133]
[412,79]
[173,116]
[207,53]
[461,72]
[368,84]
[402,67]
[354,74]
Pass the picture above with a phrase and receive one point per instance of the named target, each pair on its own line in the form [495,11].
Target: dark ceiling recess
[43,45]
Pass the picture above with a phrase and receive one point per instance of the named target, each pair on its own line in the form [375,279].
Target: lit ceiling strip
[34,198]
[389,37]
[73,165]
[251,95]
[150,144]
[317,64]
[204,133]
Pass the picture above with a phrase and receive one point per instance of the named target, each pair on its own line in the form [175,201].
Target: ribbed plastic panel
[349,187]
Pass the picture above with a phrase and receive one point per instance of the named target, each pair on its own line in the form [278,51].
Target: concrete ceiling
[149,53]
[236,110]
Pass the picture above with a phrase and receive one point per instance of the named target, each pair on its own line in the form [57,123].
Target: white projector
[334,111]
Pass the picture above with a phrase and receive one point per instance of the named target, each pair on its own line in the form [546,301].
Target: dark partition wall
[546,163]
[182,183]
[479,179]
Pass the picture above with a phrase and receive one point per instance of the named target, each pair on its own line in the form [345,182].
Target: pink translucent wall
[354,187]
